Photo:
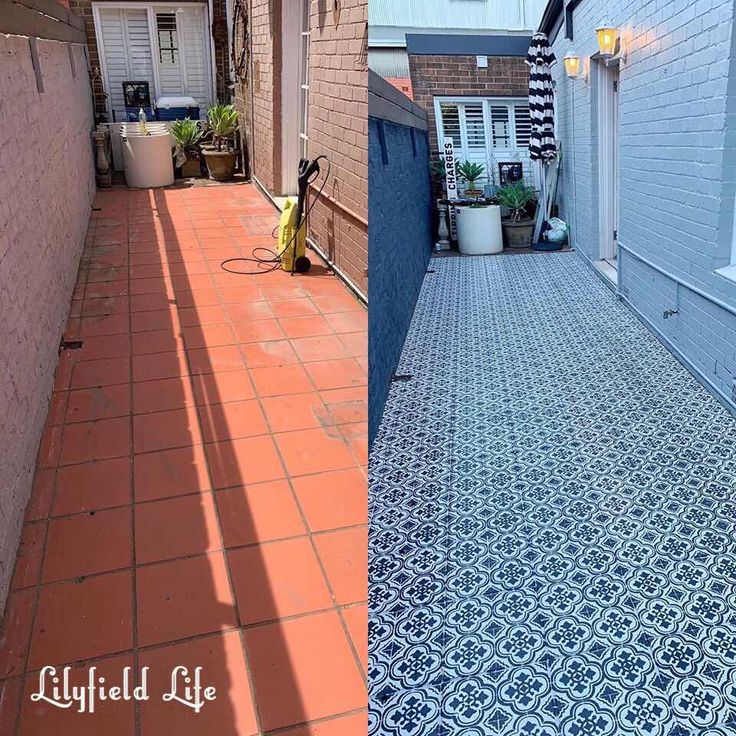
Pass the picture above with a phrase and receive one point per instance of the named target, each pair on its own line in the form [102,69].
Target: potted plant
[471,172]
[221,156]
[479,229]
[516,197]
[186,134]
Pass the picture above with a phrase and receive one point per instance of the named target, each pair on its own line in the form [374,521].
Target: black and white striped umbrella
[541,99]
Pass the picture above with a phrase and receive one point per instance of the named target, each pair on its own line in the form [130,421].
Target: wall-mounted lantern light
[608,38]
[573,66]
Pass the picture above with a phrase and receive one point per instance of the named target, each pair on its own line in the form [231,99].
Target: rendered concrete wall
[46,191]
[399,237]
[677,99]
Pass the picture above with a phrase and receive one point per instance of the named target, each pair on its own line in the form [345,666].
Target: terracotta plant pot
[220,164]
[518,234]
[190,168]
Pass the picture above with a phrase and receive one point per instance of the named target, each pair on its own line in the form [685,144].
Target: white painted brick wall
[678,164]
[46,190]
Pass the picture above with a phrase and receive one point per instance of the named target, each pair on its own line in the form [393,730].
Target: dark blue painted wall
[399,246]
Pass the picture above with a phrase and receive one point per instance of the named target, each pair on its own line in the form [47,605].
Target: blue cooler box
[177,108]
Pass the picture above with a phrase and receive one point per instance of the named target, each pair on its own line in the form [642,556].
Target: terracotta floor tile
[303,669]
[286,290]
[356,617]
[57,407]
[99,402]
[356,343]
[356,435]
[332,374]
[94,542]
[217,388]
[214,360]
[157,341]
[346,405]
[30,556]
[197,316]
[279,380]
[42,492]
[293,307]
[159,365]
[221,657]
[335,303]
[243,461]
[199,298]
[310,451]
[161,319]
[273,353]
[112,718]
[154,285]
[170,473]
[333,500]
[276,580]
[260,512]
[324,347]
[259,330]
[11,692]
[348,321]
[103,346]
[81,620]
[208,336]
[95,440]
[92,486]
[15,632]
[344,555]
[50,447]
[116,324]
[118,287]
[149,302]
[295,411]
[248,310]
[352,725]
[183,598]
[166,429]
[162,395]
[308,326]
[103,372]
[176,527]
[232,420]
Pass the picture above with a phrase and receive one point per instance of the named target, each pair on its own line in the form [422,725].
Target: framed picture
[510,172]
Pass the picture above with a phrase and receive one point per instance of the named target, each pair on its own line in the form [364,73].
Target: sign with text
[448,153]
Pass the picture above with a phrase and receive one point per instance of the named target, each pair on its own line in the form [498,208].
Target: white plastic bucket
[479,230]
[147,156]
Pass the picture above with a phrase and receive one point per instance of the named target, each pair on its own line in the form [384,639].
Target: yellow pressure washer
[291,251]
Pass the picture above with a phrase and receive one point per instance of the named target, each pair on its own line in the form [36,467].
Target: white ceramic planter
[479,230]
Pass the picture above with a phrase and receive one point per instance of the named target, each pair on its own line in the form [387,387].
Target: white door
[294,90]
[608,162]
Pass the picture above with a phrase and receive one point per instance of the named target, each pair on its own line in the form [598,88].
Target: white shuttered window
[487,131]
[166,46]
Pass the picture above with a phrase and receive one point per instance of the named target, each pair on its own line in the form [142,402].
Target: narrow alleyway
[200,492]
[553,519]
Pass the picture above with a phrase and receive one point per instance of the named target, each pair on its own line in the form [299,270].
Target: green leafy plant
[516,196]
[471,172]
[223,122]
[437,168]
[187,133]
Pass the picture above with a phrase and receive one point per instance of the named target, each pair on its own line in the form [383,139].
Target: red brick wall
[219,30]
[338,128]
[338,121]
[459,76]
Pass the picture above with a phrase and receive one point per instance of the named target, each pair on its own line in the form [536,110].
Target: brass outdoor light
[608,39]
[573,66]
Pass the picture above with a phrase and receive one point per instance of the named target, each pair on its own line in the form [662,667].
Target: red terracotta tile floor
[200,496]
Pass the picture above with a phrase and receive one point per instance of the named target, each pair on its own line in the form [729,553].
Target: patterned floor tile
[553,526]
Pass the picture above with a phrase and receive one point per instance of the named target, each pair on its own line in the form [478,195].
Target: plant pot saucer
[547,246]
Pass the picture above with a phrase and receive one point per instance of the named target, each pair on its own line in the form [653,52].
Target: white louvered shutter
[195,54]
[127,48]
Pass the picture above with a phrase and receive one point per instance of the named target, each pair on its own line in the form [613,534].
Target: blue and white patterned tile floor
[553,519]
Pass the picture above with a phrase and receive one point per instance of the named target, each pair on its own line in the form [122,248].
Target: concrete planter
[518,234]
[220,164]
[479,230]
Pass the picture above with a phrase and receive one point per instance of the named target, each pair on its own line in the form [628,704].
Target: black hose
[272,258]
